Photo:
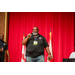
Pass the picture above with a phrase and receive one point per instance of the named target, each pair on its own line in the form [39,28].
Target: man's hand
[29,35]
[1,50]
[8,58]
[5,60]
[49,56]
[48,51]
[26,39]
[7,52]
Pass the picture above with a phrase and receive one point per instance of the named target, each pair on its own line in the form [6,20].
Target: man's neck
[35,36]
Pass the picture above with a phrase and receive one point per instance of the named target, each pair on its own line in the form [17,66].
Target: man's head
[35,30]
[1,37]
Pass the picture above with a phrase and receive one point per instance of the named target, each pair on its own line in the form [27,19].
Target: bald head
[35,31]
[1,36]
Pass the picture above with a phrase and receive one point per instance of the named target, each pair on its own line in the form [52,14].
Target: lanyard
[35,38]
[1,43]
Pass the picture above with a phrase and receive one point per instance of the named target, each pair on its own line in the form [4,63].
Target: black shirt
[5,47]
[36,50]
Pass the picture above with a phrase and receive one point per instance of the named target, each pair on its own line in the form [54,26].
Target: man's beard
[35,34]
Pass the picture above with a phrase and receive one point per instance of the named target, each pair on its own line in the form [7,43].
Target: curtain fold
[61,24]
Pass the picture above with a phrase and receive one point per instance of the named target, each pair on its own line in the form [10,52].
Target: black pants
[1,60]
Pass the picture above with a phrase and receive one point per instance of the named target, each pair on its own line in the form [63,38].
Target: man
[35,44]
[3,49]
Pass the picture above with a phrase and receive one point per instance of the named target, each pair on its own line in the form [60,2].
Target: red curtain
[61,24]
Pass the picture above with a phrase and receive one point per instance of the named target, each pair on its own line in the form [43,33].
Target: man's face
[35,30]
[1,37]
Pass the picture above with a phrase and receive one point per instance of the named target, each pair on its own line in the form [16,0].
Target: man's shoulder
[41,35]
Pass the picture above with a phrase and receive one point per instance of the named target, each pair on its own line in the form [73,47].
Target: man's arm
[7,53]
[26,39]
[47,48]
[49,53]
[5,59]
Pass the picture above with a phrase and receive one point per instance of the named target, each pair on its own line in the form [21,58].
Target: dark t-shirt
[36,50]
[5,47]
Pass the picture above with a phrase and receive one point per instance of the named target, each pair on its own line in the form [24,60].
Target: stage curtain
[62,27]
